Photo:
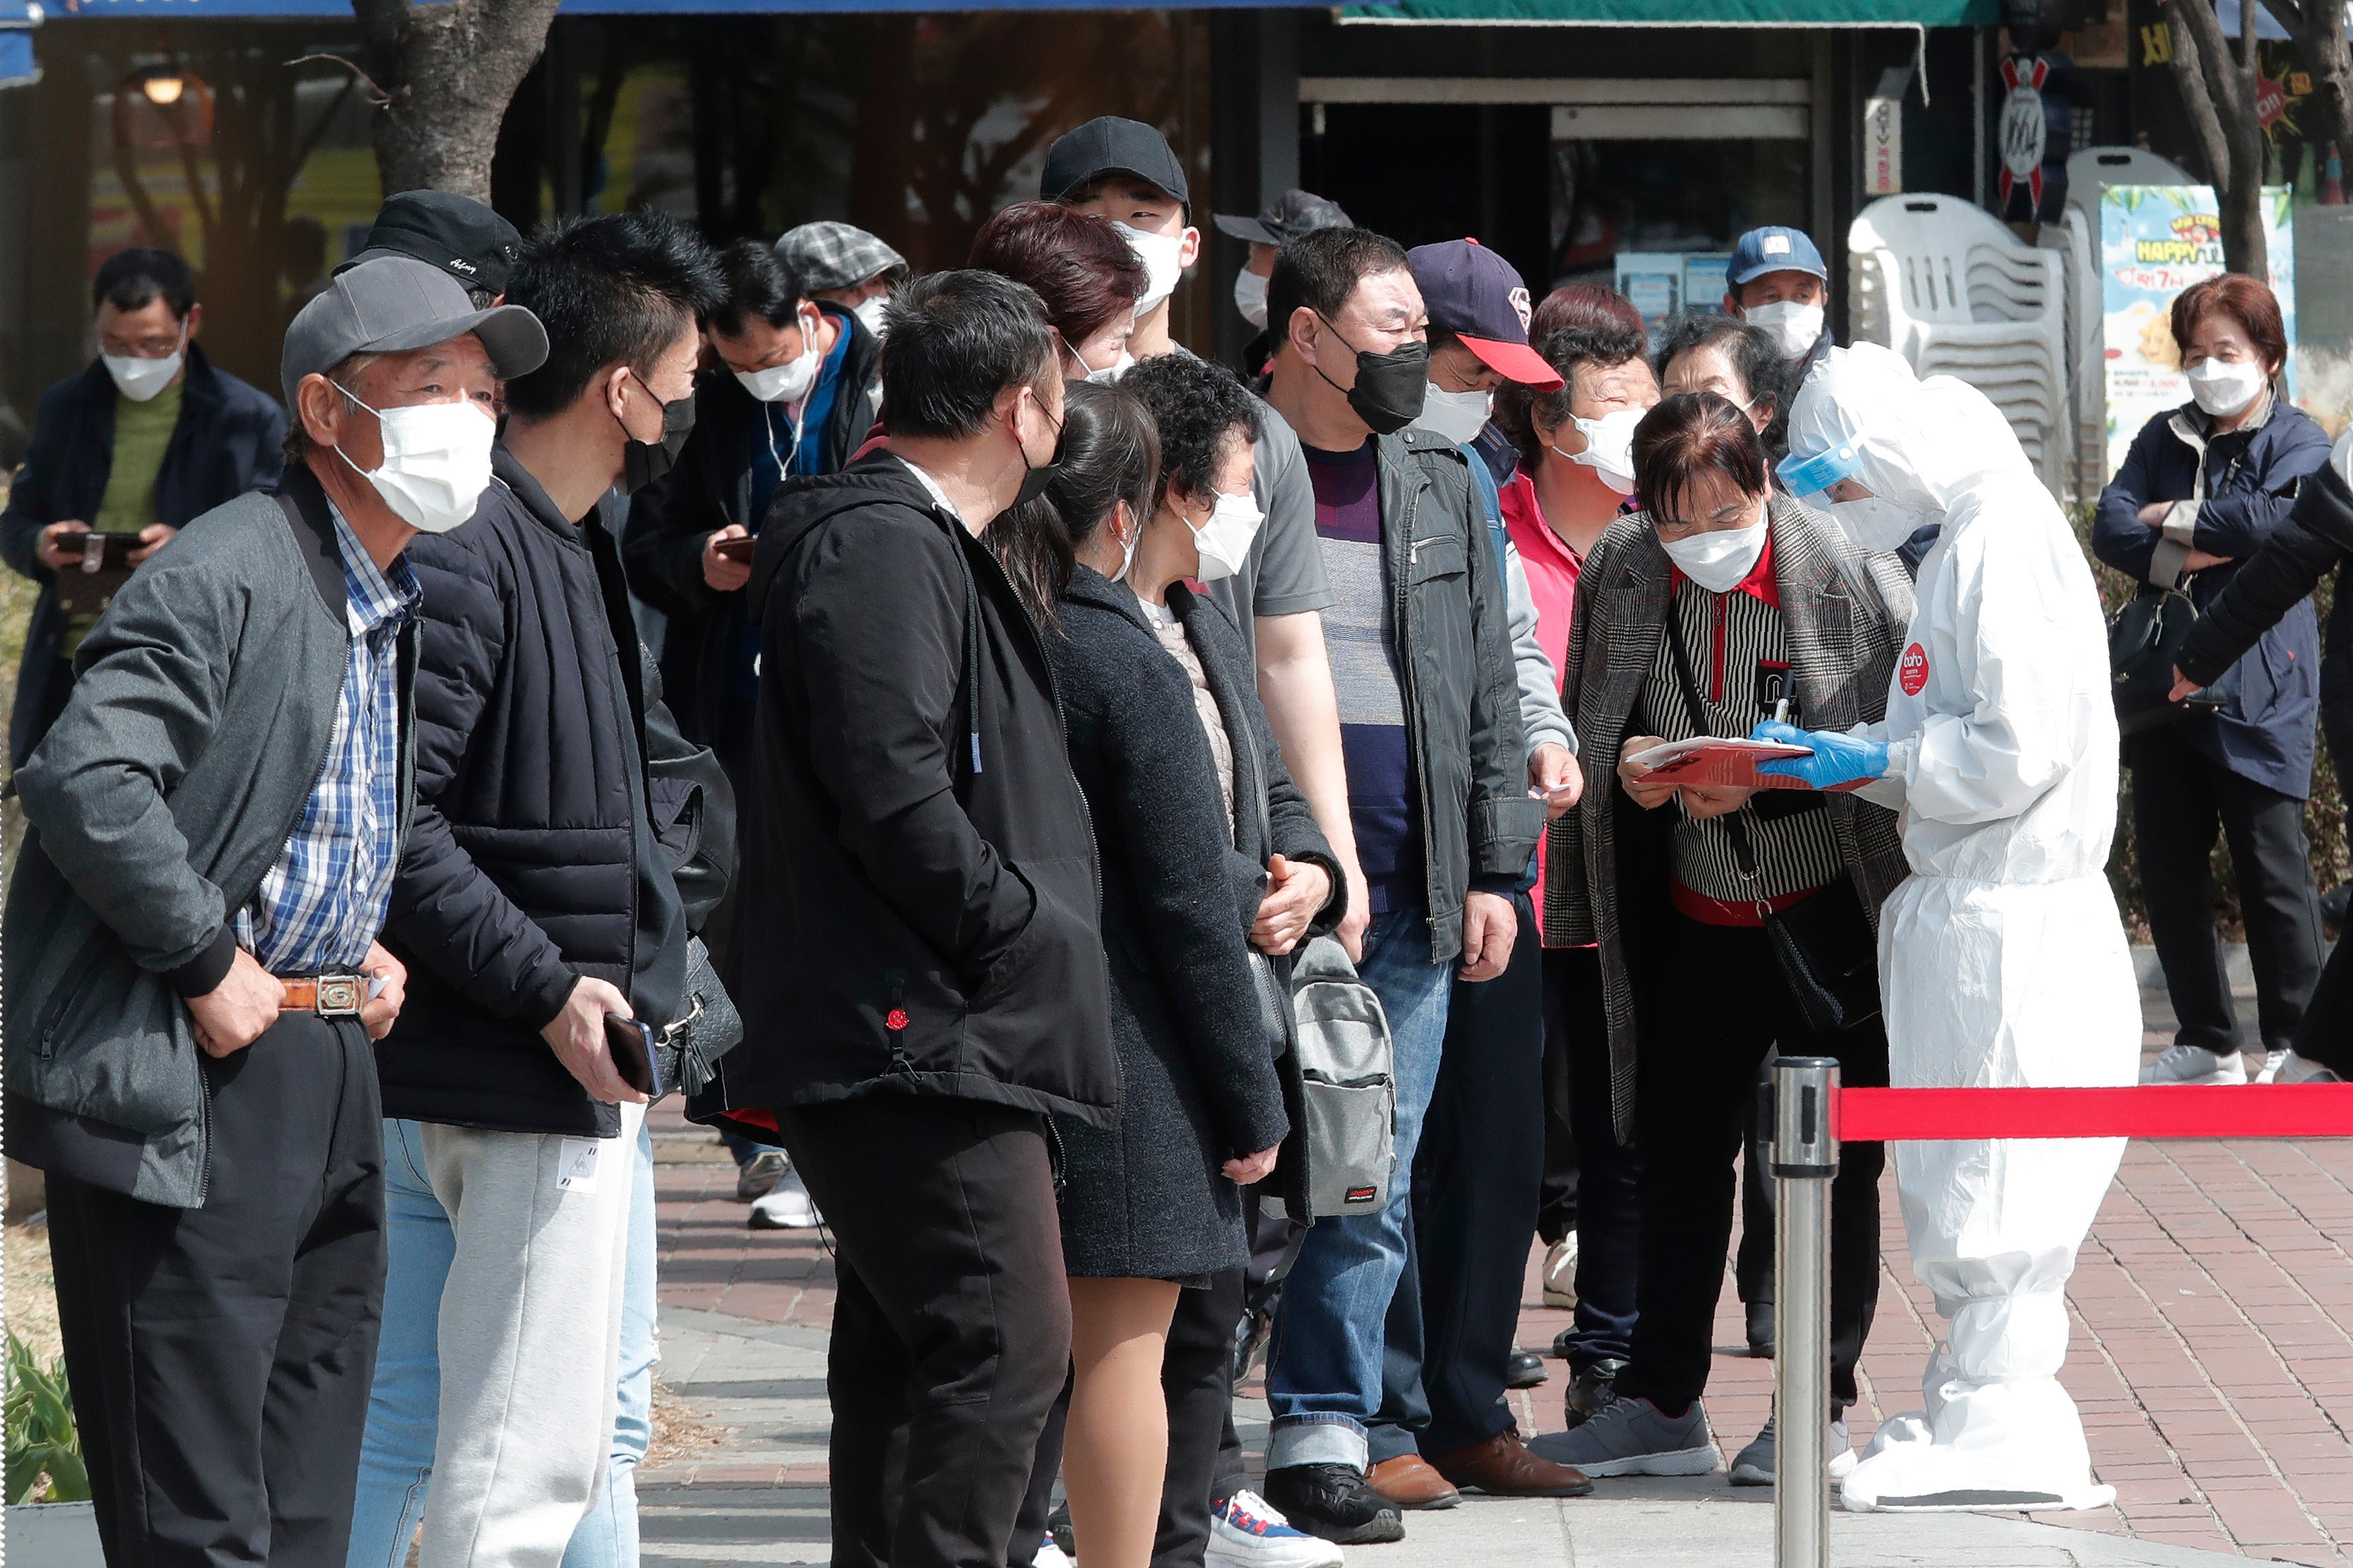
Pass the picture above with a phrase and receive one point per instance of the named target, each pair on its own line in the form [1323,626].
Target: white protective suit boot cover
[1992,984]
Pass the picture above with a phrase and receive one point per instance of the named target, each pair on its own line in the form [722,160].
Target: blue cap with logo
[1775,249]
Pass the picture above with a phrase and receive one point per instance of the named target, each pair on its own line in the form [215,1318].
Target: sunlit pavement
[2211,1368]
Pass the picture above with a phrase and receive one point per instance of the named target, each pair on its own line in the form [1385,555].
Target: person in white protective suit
[2001,958]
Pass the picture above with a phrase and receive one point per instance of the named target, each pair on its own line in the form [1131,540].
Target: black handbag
[690,1048]
[1824,944]
[2145,638]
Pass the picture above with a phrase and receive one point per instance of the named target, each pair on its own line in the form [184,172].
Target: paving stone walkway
[2209,1359]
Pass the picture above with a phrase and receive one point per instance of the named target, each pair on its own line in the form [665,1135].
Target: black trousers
[951,1320]
[1557,1201]
[1700,1044]
[1455,1320]
[221,1356]
[2180,800]
[1752,1265]
[1608,1216]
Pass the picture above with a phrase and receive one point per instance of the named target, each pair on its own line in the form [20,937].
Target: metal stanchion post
[1805,1158]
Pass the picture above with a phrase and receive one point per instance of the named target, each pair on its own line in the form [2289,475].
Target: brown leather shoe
[1503,1466]
[1410,1482]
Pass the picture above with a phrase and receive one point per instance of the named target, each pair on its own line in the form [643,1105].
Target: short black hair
[1196,404]
[1755,358]
[952,341]
[614,289]
[1322,267]
[129,280]
[759,284]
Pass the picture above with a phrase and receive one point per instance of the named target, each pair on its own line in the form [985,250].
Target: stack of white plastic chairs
[2076,238]
[1944,284]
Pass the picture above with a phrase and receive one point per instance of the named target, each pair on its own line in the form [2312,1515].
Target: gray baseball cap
[395,304]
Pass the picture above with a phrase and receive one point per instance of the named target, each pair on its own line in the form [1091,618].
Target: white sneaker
[2273,1062]
[1050,1556]
[788,1206]
[1246,1532]
[1560,1273]
[2195,1064]
[2294,1069]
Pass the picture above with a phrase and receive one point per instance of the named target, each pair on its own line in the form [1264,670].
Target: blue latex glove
[1838,759]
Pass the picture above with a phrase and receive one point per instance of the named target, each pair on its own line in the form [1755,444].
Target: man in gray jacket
[192,972]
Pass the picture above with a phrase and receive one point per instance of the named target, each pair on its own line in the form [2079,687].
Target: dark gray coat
[1842,614]
[205,700]
[1145,1198]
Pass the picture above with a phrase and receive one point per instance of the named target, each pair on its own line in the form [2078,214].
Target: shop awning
[17,20]
[266,10]
[1684,12]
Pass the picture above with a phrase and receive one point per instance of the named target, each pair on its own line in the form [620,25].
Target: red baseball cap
[1478,296]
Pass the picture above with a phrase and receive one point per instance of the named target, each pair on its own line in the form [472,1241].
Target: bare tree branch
[2221,94]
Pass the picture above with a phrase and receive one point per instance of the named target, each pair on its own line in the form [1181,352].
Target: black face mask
[1034,481]
[1389,387]
[643,462]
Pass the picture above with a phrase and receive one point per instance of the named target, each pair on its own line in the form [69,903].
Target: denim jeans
[396,1458]
[1323,1366]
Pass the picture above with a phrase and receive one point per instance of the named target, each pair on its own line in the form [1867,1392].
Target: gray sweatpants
[529,1332]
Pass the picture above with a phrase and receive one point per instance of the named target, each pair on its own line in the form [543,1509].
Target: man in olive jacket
[922,889]
[192,973]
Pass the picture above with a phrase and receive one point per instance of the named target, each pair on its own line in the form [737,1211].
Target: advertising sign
[2156,241]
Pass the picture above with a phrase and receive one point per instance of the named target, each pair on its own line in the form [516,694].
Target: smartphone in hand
[631,1044]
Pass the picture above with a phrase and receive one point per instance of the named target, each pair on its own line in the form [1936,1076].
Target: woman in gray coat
[1196,823]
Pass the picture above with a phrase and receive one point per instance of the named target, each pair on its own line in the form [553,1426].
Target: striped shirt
[320,906]
[1741,661]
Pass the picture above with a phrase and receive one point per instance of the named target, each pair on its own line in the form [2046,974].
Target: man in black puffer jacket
[548,883]
[2315,540]
[923,893]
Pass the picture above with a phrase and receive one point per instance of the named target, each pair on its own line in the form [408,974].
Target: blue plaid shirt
[321,905]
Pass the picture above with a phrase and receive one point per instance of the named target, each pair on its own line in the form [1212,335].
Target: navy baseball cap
[1285,218]
[1763,251]
[1478,296]
[1110,145]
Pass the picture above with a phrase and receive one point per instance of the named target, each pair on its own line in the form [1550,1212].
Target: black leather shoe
[1333,1501]
[1760,1330]
[1525,1370]
[1591,1390]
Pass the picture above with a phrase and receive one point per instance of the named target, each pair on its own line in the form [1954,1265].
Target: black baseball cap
[455,233]
[1290,215]
[1478,296]
[1110,145]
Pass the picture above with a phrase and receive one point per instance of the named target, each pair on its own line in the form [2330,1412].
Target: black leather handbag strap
[1742,853]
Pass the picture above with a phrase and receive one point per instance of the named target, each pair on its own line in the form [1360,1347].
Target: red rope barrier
[2155,1110]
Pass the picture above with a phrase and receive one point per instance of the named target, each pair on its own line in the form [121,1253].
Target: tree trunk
[446,72]
[2319,28]
[2219,92]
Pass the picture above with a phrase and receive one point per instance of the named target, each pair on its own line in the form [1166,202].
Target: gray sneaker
[1631,1437]
[756,1175]
[1755,1465]
[2294,1069]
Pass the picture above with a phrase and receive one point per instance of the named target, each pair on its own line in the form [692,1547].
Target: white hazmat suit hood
[2001,958]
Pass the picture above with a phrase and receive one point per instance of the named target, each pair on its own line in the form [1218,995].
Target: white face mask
[787,382]
[1720,561]
[1250,298]
[1794,327]
[2222,387]
[1224,542]
[870,312]
[1609,447]
[1158,252]
[1114,371]
[141,379]
[1457,416]
[436,462]
[1876,522]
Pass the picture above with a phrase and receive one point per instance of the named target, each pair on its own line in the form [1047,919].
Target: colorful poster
[2156,241]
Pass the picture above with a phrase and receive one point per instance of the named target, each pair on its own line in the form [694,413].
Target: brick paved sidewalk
[2208,1357]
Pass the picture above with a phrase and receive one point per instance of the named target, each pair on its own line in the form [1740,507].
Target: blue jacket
[225,444]
[2270,698]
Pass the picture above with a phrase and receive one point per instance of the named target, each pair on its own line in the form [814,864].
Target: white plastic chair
[1943,283]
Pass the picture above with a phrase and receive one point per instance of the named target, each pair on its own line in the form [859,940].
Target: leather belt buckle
[328,996]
